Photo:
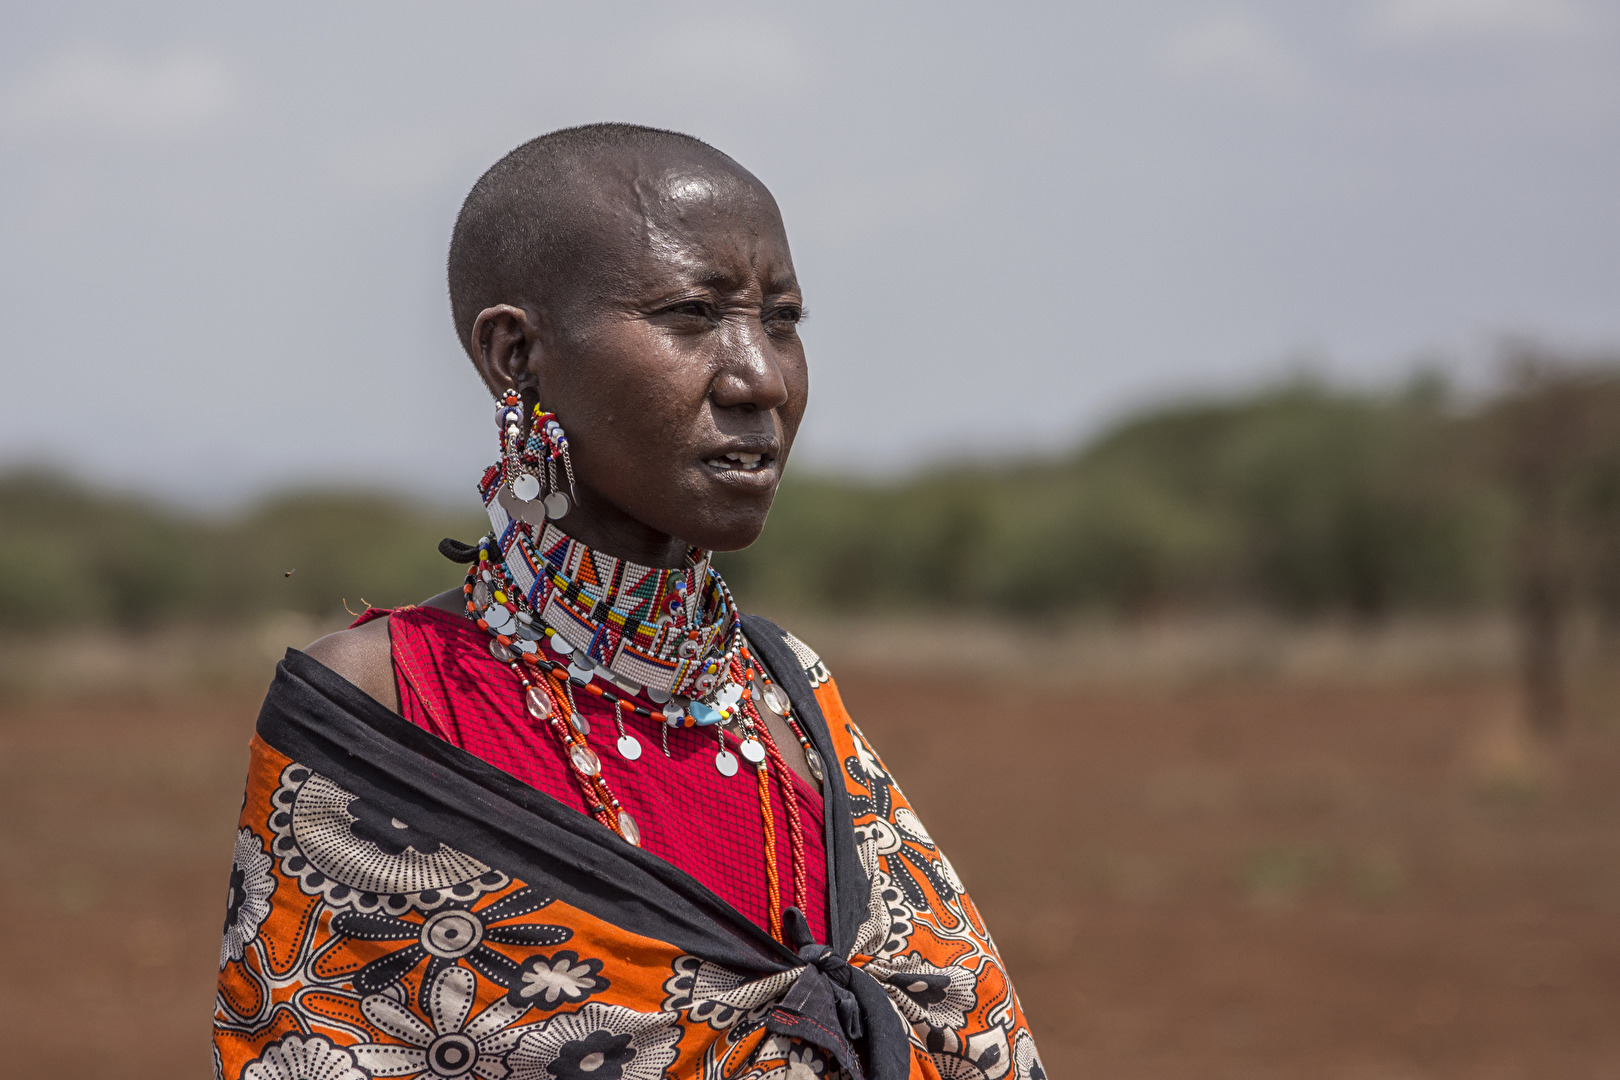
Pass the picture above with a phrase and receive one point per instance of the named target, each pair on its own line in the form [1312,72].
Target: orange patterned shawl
[399,908]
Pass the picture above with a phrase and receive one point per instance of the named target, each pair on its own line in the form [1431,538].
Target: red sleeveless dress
[703,823]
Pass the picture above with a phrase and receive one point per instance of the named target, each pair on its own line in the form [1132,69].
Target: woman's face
[674,362]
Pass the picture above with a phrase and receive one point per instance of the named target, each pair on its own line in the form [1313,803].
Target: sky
[223,227]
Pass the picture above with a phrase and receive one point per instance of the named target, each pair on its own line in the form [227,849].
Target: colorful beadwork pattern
[658,628]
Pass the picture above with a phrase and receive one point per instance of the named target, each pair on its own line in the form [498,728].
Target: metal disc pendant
[499,619]
[526,487]
[585,759]
[628,828]
[582,674]
[629,747]
[657,696]
[813,759]
[538,702]
[578,722]
[726,762]
[556,505]
[560,646]
[501,652]
[753,750]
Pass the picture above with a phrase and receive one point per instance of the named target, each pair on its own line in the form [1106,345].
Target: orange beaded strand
[773,882]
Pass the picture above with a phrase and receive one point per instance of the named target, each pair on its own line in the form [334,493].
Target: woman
[579,817]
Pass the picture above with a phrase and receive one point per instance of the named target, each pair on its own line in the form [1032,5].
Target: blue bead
[702,714]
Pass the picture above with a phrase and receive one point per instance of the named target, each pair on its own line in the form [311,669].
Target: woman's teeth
[746,462]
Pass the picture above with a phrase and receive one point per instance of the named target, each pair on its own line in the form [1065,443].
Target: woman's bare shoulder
[364,655]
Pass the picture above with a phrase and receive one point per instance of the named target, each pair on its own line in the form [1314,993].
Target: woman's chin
[731,528]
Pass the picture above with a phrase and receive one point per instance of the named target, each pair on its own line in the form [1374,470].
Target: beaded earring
[536,467]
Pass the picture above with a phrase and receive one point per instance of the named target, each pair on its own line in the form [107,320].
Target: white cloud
[1233,47]
[1419,20]
[97,90]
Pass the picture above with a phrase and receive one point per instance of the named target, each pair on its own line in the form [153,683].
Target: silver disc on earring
[629,747]
[726,763]
[526,488]
[556,505]
[753,750]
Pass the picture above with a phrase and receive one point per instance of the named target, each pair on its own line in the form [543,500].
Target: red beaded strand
[600,799]
[784,778]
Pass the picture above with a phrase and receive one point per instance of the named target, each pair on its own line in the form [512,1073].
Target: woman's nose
[750,376]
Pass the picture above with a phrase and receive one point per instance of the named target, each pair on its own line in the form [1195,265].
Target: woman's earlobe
[501,338]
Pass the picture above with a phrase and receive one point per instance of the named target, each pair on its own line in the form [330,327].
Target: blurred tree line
[71,556]
[1301,499]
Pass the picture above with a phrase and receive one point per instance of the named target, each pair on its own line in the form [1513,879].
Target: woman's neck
[606,530]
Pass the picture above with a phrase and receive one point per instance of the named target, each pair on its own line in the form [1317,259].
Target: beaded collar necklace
[668,631]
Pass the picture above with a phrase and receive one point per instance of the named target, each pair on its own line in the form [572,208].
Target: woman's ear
[504,340]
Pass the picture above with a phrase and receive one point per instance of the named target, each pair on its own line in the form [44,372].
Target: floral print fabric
[361,945]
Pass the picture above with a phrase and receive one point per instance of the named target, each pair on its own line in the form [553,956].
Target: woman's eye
[695,309]
[787,315]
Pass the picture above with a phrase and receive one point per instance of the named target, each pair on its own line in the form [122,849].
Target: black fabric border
[848,887]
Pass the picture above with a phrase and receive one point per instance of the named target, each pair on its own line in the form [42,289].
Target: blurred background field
[1223,717]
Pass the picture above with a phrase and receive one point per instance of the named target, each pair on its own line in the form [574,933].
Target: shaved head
[544,227]
[638,283]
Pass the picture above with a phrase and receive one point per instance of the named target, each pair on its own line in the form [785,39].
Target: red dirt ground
[1245,881]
